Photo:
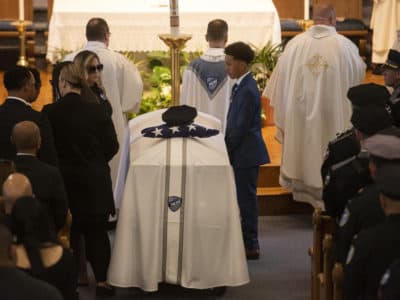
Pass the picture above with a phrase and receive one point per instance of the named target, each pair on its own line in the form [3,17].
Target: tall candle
[21,10]
[174,16]
[306,9]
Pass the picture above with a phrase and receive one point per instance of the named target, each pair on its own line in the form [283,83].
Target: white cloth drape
[385,21]
[198,246]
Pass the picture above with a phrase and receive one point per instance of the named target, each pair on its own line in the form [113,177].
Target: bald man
[46,180]
[16,185]
[308,89]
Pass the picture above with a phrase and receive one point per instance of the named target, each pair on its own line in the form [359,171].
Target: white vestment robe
[123,86]
[206,85]
[385,21]
[308,89]
[179,218]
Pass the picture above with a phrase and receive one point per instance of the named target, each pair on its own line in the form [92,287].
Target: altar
[179,219]
[135,24]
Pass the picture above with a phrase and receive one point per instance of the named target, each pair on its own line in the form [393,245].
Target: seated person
[46,180]
[37,250]
[15,186]
[15,284]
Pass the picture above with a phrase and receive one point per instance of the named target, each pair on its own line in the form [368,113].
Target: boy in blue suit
[244,142]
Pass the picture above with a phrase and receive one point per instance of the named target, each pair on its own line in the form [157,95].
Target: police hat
[393,60]
[387,178]
[371,118]
[366,94]
[385,144]
[179,115]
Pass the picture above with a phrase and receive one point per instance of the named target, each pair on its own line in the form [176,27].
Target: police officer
[364,210]
[390,287]
[345,168]
[374,249]
[391,75]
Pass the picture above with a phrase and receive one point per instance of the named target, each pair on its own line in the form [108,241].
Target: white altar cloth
[135,24]
[198,246]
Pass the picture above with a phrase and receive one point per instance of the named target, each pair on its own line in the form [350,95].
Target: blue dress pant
[246,190]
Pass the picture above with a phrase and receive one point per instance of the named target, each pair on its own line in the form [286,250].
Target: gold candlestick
[175,44]
[21,26]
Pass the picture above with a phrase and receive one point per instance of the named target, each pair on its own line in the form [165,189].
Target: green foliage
[264,62]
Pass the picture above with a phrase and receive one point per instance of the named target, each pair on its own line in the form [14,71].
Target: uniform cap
[367,94]
[179,115]
[384,145]
[371,118]
[387,178]
[393,60]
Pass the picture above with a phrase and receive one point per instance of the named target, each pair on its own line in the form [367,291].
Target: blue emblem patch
[212,83]
[174,203]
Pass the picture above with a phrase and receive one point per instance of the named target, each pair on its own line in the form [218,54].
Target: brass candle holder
[21,27]
[175,43]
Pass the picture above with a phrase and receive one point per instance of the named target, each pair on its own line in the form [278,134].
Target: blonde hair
[71,74]
[82,60]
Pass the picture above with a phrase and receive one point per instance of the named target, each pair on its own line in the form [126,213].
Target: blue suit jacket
[244,142]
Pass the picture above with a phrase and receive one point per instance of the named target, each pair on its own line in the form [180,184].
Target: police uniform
[393,62]
[374,249]
[365,211]
[390,287]
[345,168]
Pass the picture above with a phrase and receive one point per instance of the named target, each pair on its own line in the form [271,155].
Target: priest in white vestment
[308,89]
[121,79]
[205,83]
[179,219]
[385,21]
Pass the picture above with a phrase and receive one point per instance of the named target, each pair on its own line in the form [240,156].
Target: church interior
[294,262]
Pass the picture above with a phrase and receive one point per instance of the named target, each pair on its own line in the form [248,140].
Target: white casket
[179,219]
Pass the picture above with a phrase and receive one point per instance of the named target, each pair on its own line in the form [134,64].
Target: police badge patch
[174,203]
[212,83]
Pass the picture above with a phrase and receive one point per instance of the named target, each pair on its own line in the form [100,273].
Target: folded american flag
[191,130]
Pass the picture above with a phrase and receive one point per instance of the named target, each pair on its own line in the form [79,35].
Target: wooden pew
[325,278]
[322,225]
[337,276]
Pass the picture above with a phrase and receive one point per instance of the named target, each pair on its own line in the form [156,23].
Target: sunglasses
[93,69]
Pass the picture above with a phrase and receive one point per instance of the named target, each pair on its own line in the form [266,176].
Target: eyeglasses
[93,69]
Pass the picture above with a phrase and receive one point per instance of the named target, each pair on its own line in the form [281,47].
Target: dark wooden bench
[353,29]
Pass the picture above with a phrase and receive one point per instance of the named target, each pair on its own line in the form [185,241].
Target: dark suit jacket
[244,142]
[47,185]
[85,139]
[13,112]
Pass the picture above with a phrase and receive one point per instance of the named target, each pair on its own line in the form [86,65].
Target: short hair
[96,29]
[55,78]
[217,30]
[36,76]
[16,78]
[26,136]
[240,51]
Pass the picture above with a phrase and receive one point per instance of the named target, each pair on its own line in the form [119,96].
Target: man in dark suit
[20,84]
[244,142]
[46,180]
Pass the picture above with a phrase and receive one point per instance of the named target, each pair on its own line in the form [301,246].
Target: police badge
[212,83]
[174,203]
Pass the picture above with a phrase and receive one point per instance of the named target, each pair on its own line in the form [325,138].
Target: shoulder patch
[345,217]
[350,255]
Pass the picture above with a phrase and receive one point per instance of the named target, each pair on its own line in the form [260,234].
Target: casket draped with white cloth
[179,220]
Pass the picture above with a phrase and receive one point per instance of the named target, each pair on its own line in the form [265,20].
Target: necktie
[234,90]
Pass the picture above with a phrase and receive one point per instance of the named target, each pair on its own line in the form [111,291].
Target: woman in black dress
[85,140]
[38,252]
[90,68]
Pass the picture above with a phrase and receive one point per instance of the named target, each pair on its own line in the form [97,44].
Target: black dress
[60,275]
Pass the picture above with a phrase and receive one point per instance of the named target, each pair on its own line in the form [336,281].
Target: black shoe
[378,69]
[105,291]
[252,254]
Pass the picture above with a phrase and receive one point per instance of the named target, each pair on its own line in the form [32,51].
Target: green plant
[264,62]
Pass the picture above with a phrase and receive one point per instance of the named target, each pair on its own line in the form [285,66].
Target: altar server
[308,90]
[205,83]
